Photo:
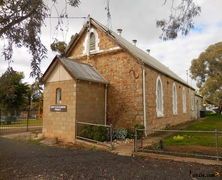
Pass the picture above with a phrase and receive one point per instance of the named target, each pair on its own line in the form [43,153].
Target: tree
[180,20]
[20,25]
[13,93]
[207,71]
[59,46]
[21,22]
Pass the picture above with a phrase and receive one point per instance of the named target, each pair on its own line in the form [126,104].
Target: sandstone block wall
[60,124]
[125,96]
[125,103]
[90,102]
[169,119]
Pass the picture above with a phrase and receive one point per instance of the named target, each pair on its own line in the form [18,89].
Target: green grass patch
[210,123]
[23,123]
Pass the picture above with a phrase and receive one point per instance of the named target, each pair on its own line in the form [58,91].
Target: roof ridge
[75,60]
[147,59]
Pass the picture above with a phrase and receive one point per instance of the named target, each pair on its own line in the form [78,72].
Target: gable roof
[79,71]
[138,53]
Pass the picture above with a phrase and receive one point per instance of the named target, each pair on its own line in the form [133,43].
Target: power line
[66,17]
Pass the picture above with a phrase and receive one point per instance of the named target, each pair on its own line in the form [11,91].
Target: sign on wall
[58,108]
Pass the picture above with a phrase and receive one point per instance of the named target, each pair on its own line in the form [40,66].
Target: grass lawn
[210,123]
[23,123]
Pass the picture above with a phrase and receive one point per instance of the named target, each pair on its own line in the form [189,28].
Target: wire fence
[188,143]
[97,133]
[17,124]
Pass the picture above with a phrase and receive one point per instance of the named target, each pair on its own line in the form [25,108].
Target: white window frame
[58,95]
[86,45]
[159,111]
[174,99]
[184,96]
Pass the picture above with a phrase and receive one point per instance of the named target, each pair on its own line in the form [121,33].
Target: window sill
[160,115]
[94,52]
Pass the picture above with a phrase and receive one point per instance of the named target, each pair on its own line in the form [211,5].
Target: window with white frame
[58,96]
[174,99]
[159,97]
[91,43]
[184,100]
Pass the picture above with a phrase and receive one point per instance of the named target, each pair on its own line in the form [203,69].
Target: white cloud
[138,19]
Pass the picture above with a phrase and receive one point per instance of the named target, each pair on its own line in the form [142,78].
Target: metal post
[135,140]
[142,142]
[111,136]
[27,122]
[216,134]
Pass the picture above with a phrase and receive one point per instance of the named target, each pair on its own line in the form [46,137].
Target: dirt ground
[22,160]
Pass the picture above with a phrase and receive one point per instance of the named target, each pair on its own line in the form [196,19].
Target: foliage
[120,134]
[210,123]
[13,93]
[20,25]
[130,134]
[94,132]
[180,20]
[59,46]
[207,71]
[21,22]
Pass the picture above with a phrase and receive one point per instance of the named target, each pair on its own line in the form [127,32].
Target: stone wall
[60,124]
[168,119]
[90,102]
[125,96]
[125,106]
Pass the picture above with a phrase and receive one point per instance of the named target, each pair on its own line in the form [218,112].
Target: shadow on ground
[23,160]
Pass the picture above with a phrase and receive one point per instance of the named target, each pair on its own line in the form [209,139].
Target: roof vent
[119,31]
[134,42]
[148,51]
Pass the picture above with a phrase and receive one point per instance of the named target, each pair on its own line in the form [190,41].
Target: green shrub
[94,133]
[130,133]
[140,133]
[120,134]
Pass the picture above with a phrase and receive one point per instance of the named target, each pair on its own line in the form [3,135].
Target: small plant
[159,145]
[94,133]
[140,130]
[178,138]
[130,134]
[120,134]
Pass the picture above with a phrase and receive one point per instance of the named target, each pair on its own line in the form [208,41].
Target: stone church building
[103,78]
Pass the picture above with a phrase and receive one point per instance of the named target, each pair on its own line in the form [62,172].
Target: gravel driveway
[21,160]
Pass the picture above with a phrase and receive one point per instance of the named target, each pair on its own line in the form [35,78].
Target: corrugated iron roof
[141,55]
[79,71]
[82,71]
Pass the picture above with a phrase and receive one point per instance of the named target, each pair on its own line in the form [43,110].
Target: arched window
[58,96]
[184,101]
[92,42]
[159,97]
[174,99]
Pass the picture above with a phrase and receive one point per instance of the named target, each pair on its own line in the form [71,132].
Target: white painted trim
[99,52]
[174,99]
[159,113]
[86,49]
[144,100]
[106,104]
